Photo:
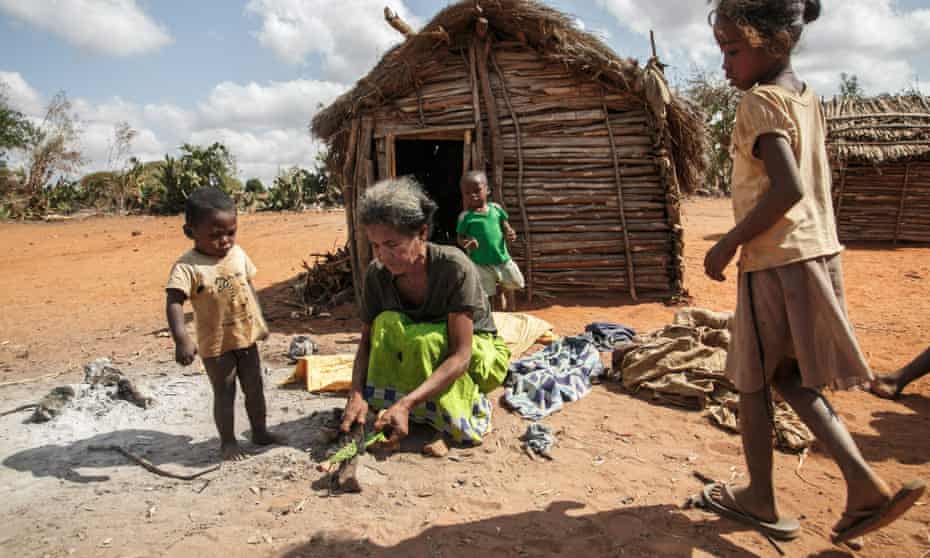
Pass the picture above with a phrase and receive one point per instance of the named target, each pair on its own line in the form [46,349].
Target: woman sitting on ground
[429,349]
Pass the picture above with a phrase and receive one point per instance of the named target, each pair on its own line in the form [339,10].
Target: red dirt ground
[73,291]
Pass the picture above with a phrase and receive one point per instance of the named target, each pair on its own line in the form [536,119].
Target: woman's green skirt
[403,355]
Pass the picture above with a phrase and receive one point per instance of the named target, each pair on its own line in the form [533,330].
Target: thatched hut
[587,151]
[880,150]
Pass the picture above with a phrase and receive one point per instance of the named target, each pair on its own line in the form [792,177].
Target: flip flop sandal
[785,529]
[870,520]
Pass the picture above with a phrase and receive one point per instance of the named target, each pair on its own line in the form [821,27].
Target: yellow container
[323,373]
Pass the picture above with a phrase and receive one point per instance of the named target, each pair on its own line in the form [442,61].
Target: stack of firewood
[327,283]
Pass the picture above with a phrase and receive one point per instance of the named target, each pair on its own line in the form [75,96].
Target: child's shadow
[65,461]
[160,448]
[901,435]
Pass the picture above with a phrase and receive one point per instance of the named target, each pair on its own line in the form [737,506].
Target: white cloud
[115,27]
[171,119]
[275,105]
[870,38]
[21,95]
[681,27]
[263,125]
[349,35]
[263,154]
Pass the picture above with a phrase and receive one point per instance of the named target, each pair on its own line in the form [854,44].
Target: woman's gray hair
[399,203]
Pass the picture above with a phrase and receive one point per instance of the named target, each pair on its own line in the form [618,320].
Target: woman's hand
[355,412]
[719,257]
[470,244]
[396,421]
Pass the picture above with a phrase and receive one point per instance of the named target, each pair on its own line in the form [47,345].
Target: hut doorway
[437,166]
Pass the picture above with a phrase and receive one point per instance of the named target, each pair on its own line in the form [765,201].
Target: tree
[197,167]
[849,86]
[297,188]
[254,186]
[15,128]
[121,164]
[718,101]
[51,151]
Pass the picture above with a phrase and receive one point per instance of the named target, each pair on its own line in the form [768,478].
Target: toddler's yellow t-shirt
[226,313]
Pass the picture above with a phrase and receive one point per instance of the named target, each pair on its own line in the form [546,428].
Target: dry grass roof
[549,32]
[878,129]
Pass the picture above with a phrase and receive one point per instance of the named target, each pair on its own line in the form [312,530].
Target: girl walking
[791,330]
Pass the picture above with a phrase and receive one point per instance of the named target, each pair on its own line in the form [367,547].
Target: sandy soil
[75,291]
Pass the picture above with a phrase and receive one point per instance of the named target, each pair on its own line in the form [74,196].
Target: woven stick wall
[588,166]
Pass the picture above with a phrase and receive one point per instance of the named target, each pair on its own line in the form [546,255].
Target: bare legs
[865,490]
[223,371]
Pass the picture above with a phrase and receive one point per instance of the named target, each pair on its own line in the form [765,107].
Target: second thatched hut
[588,152]
[880,149]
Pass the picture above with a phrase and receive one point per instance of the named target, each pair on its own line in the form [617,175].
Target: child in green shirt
[482,231]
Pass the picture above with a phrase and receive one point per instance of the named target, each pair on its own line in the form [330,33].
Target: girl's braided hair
[775,25]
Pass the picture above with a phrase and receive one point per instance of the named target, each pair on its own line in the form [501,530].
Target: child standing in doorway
[216,275]
[790,330]
[482,231]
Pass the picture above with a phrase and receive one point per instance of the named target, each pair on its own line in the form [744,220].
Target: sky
[252,73]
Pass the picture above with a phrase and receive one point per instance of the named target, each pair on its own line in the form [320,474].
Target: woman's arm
[460,328]
[784,193]
[356,406]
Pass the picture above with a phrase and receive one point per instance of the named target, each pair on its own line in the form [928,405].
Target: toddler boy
[216,275]
[481,231]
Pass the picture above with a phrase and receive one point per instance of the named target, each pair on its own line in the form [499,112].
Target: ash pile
[103,388]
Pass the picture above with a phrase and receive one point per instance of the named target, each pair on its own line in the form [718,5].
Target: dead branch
[20,409]
[149,466]
[397,23]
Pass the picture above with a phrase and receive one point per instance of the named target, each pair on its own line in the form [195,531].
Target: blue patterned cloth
[606,334]
[540,384]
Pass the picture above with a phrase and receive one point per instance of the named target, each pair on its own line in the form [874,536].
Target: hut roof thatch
[878,129]
[554,36]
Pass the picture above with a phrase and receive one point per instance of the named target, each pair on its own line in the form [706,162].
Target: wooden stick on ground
[36,379]
[21,408]
[149,466]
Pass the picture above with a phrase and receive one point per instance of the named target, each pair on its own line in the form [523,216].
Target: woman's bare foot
[437,447]
[886,387]
[267,439]
[230,451]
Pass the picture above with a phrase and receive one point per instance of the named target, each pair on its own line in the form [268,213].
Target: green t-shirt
[454,286]
[486,229]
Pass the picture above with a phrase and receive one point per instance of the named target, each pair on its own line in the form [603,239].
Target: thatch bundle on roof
[587,151]
[880,149]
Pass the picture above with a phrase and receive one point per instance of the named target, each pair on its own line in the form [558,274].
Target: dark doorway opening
[437,166]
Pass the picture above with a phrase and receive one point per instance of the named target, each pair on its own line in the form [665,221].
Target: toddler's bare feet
[232,452]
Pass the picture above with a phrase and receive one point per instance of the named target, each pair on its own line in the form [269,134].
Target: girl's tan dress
[791,302]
